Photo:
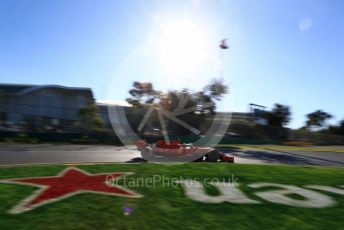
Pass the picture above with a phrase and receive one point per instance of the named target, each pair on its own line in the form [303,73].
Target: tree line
[196,107]
[316,121]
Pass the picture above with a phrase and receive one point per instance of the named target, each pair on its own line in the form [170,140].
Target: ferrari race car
[175,149]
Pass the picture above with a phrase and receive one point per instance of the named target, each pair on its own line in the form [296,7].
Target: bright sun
[181,47]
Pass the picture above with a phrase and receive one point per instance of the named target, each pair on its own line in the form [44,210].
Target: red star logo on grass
[69,182]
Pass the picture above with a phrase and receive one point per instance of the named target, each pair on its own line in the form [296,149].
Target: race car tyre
[200,159]
[221,157]
[146,153]
[213,156]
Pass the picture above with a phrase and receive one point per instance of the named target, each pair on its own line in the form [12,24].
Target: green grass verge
[168,207]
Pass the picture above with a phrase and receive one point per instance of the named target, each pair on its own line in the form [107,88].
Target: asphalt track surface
[14,154]
[288,157]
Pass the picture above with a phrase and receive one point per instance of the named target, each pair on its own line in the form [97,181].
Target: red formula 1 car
[175,149]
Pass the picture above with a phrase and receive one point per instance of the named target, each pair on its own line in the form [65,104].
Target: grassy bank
[164,207]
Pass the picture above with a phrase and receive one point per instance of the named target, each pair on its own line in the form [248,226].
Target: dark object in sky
[223,44]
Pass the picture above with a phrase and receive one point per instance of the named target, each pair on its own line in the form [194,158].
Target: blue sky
[288,52]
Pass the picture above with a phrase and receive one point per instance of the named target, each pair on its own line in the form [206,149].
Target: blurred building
[41,105]
[106,109]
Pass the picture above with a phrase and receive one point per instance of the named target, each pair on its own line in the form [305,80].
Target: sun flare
[181,47]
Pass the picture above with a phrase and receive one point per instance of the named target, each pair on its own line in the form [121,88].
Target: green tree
[335,129]
[317,119]
[211,93]
[216,89]
[142,93]
[89,118]
[190,107]
[341,127]
[279,116]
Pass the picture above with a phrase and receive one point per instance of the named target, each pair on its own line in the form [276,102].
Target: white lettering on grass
[276,193]
[327,189]
[280,196]
[228,193]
